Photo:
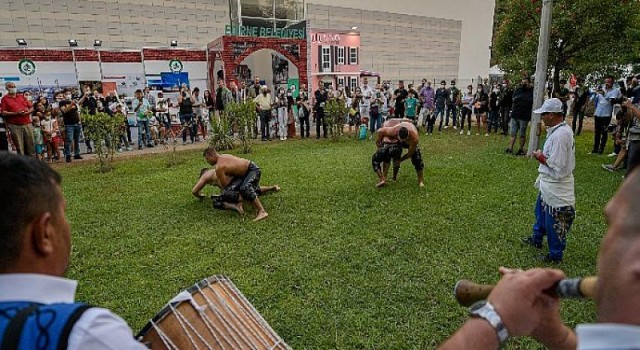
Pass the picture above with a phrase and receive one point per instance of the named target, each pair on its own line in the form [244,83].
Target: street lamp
[174,43]
[73,42]
[97,43]
[21,42]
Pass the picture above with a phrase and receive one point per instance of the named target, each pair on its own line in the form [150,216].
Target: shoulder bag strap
[12,333]
[66,331]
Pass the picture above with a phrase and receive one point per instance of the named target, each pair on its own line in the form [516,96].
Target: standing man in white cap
[555,206]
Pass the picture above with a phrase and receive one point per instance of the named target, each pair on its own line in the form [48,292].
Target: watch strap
[487,312]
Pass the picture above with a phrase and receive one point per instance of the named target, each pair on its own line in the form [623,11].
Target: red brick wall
[87,55]
[169,54]
[120,56]
[231,61]
[35,55]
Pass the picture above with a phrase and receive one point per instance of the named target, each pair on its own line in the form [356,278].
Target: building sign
[265,32]
[325,38]
[26,66]
[176,66]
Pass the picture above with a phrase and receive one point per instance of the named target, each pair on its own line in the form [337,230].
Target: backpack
[362,135]
[25,325]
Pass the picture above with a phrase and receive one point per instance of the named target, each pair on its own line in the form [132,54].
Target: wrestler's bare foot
[277,188]
[239,208]
[421,184]
[261,215]
[381,183]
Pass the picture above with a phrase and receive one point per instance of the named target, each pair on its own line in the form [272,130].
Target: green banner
[265,32]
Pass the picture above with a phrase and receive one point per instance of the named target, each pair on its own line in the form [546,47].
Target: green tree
[587,37]
[104,131]
[335,111]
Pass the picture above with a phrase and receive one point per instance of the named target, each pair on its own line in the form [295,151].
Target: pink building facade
[335,59]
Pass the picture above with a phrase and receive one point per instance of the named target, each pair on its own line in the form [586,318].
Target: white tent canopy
[495,70]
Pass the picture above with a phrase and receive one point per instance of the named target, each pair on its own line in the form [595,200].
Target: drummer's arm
[99,328]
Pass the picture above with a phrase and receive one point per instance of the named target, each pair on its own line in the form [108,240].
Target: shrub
[103,130]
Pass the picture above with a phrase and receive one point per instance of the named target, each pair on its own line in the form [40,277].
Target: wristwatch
[484,309]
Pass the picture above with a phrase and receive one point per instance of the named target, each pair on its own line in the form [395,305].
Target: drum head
[212,314]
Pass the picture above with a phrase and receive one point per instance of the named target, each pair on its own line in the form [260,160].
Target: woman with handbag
[480,106]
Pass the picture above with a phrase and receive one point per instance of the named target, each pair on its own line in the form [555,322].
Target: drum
[213,314]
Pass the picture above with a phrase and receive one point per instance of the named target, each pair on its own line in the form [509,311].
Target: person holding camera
[604,110]
[304,110]
[263,104]
[142,109]
[71,121]
[185,103]
[321,96]
[281,107]
[377,103]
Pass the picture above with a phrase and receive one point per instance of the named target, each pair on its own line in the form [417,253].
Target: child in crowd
[124,142]
[410,107]
[51,132]
[154,126]
[38,139]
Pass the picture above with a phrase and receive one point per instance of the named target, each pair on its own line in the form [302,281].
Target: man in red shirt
[16,111]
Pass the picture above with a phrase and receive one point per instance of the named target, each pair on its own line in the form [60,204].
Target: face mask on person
[12,91]
[67,96]
[47,117]
[29,98]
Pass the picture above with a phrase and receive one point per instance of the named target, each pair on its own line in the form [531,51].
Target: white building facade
[405,39]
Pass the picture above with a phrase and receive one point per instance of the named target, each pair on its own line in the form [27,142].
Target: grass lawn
[338,264]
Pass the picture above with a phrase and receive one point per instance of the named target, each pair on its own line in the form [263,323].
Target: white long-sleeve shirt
[555,180]
[608,336]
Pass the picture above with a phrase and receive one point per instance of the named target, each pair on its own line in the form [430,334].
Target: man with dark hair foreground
[520,304]
[230,197]
[229,167]
[393,136]
[35,246]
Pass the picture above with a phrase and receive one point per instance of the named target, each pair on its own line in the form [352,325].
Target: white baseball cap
[552,105]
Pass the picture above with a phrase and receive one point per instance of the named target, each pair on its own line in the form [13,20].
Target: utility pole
[541,73]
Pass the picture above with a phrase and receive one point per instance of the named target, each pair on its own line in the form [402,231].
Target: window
[341,81]
[353,84]
[266,13]
[341,55]
[326,59]
[353,55]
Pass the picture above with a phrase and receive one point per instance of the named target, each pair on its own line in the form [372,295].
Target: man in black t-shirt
[321,96]
[581,97]
[185,102]
[563,95]
[71,120]
[88,101]
[400,95]
[505,101]
[521,110]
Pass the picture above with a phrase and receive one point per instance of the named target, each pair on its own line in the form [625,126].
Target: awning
[336,73]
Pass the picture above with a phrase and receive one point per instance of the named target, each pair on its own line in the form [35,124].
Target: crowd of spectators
[41,127]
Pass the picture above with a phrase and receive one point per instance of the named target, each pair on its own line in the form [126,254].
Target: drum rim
[165,310]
